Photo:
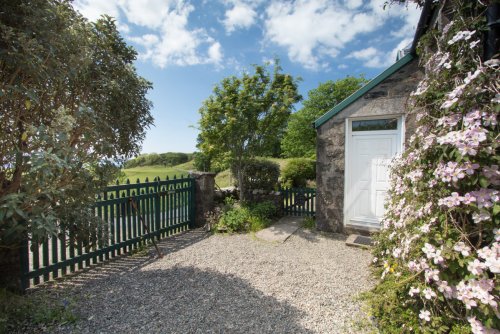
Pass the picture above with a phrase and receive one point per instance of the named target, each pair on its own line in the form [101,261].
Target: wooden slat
[167,207]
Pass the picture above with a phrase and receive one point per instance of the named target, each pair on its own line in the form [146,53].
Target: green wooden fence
[167,207]
[299,201]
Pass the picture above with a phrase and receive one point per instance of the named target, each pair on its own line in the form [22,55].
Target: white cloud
[373,57]
[147,13]
[315,31]
[215,53]
[241,15]
[353,4]
[169,41]
[93,9]
[363,54]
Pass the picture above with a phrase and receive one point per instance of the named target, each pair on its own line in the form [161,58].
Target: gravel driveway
[225,284]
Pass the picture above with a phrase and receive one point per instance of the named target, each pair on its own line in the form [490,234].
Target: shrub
[263,210]
[243,218]
[260,174]
[438,251]
[298,171]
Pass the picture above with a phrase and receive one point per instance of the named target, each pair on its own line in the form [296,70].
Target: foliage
[168,159]
[300,136]
[309,223]
[438,251]
[202,162]
[234,217]
[298,171]
[260,174]
[72,105]
[245,116]
[39,308]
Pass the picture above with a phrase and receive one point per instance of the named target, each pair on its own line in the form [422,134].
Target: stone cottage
[355,142]
[358,137]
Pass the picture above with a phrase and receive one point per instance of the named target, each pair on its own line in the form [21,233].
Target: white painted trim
[348,132]
[347,143]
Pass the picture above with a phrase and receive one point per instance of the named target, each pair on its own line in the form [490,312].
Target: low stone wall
[275,197]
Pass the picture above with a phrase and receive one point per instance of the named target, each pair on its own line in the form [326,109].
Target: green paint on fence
[166,206]
[299,201]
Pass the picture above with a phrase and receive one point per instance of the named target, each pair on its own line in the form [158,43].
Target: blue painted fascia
[363,90]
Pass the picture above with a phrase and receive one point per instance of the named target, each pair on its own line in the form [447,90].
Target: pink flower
[476,267]
[476,326]
[425,315]
[445,289]
[413,291]
[480,216]
[462,248]
[492,174]
[431,275]
[468,198]
[425,228]
[485,197]
[461,35]
[450,201]
[413,266]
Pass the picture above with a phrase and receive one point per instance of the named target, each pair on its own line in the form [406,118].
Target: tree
[300,138]
[72,106]
[243,117]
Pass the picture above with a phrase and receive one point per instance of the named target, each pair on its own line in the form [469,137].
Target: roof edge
[360,92]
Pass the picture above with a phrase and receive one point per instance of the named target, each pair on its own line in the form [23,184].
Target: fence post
[25,265]
[157,208]
[204,190]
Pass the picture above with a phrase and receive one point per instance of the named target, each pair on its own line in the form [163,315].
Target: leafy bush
[438,251]
[235,217]
[298,171]
[264,210]
[260,174]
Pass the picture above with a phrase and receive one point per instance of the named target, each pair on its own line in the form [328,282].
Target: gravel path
[225,284]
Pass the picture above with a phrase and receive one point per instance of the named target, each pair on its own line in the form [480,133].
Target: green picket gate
[166,207]
[299,201]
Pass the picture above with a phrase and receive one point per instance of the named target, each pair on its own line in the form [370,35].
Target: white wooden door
[369,154]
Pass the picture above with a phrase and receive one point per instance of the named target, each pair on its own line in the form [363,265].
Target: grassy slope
[223,179]
[153,171]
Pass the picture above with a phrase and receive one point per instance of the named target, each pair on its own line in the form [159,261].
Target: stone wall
[204,196]
[390,97]
[275,197]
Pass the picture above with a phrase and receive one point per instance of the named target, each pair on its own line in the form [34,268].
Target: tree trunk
[11,269]
[241,184]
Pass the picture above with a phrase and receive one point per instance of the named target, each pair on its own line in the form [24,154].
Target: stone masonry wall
[390,97]
[204,195]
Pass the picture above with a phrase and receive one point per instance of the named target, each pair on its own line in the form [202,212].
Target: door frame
[400,131]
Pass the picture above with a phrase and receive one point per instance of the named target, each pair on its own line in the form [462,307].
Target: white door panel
[369,155]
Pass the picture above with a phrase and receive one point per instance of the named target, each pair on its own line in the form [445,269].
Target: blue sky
[186,47]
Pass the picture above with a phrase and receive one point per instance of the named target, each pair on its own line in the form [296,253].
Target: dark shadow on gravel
[180,300]
[127,262]
[180,241]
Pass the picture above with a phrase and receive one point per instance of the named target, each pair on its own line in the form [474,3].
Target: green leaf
[483,181]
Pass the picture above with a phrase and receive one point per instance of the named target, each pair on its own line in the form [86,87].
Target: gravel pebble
[225,284]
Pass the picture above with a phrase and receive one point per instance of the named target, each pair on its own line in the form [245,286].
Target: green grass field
[223,179]
[151,172]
